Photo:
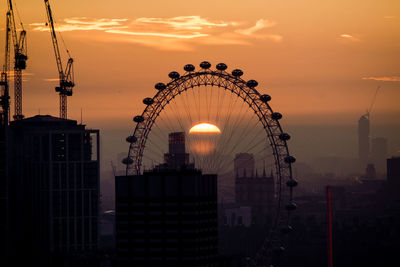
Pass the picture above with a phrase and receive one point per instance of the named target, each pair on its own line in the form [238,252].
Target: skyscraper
[167,216]
[3,180]
[363,140]
[53,191]
[177,156]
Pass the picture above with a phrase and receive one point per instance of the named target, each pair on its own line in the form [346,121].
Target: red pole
[329,224]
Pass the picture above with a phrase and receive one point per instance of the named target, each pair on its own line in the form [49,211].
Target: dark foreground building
[53,192]
[167,216]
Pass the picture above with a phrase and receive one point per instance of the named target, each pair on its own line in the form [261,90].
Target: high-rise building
[3,182]
[167,216]
[379,153]
[363,140]
[53,191]
[177,156]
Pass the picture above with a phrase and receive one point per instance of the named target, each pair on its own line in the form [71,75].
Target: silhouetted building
[234,215]
[258,193]
[363,140]
[243,164]
[393,173]
[54,192]
[379,151]
[177,156]
[370,172]
[3,187]
[167,216]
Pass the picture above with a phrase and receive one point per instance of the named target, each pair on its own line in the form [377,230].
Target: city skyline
[355,55]
[224,138]
[334,66]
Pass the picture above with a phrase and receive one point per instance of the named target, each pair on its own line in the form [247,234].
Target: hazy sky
[321,61]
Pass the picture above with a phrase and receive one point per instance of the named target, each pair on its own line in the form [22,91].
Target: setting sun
[204,127]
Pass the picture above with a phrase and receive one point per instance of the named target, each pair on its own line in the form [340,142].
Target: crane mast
[4,119]
[20,57]
[5,98]
[66,76]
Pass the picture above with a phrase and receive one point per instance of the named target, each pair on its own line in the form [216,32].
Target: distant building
[393,173]
[370,172]
[235,215]
[379,153]
[363,140]
[53,191]
[167,216]
[258,193]
[243,164]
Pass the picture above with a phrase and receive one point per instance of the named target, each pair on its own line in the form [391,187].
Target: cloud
[25,75]
[389,17]
[175,33]
[349,37]
[260,24]
[51,79]
[384,79]
[83,24]
[158,34]
[185,22]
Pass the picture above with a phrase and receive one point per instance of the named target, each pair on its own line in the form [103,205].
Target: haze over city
[321,62]
[146,144]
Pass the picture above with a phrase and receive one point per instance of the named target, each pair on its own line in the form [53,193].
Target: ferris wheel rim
[236,85]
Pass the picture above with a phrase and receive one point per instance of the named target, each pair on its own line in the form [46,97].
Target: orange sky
[321,61]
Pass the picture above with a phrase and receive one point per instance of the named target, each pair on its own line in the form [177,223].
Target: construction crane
[20,57]
[66,76]
[5,98]
[373,101]
[4,118]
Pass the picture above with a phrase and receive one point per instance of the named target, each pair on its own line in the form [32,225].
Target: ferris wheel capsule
[148,101]
[291,206]
[138,119]
[221,66]
[284,136]
[131,139]
[174,75]
[237,73]
[189,68]
[265,98]
[287,229]
[292,183]
[252,83]
[160,86]
[127,161]
[205,65]
[290,159]
[276,116]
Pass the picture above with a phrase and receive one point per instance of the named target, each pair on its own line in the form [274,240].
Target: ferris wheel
[222,115]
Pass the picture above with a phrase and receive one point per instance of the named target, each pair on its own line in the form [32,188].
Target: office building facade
[167,216]
[53,191]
